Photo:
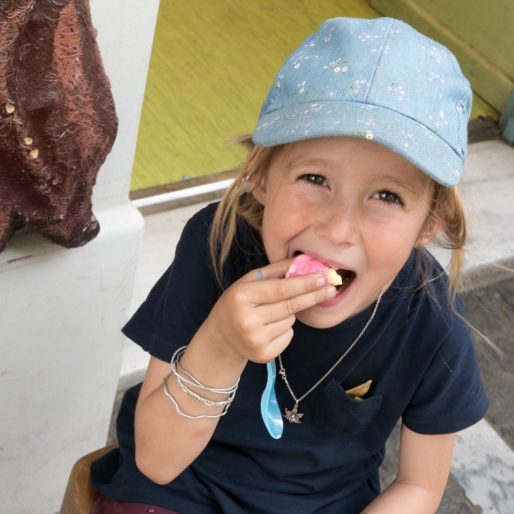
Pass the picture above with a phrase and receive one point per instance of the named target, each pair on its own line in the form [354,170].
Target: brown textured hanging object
[57,119]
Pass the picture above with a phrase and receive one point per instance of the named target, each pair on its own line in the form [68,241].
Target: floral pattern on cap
[377,79]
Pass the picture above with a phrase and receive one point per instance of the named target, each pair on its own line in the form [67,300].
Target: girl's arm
[252,320]
[166,442]
[422,475]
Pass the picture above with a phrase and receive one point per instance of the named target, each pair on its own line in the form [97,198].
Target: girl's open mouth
[338,277]
[346,276]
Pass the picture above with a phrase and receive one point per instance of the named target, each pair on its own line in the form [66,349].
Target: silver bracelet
[200,399]
[175,362]
[166,392]
[196,383]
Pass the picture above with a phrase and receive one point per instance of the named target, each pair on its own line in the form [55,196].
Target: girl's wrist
[212,363]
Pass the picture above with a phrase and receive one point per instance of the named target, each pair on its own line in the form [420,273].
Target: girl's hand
[252,320]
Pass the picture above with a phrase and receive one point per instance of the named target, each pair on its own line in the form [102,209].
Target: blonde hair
[446,212]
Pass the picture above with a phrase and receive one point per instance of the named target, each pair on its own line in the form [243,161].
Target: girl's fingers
[279,290]
[267,286]
[263,311]
[277,336]
[278,344]
[288,306]
[276,329]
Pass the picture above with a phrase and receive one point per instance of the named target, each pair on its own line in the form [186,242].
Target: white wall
[61,310]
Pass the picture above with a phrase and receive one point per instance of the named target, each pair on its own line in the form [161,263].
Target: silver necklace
[293,416]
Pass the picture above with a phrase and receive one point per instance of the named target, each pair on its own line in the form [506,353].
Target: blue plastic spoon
[270,411]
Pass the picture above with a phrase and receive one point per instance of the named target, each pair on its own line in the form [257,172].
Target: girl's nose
[338,225]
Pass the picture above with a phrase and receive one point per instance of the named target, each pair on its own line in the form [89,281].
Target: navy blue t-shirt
[417,352]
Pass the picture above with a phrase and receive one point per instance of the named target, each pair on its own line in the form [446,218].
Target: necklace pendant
[293,416]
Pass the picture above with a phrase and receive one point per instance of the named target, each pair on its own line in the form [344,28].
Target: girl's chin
[319,319]
[331,302]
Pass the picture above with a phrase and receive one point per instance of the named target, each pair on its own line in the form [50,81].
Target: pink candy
[304,265]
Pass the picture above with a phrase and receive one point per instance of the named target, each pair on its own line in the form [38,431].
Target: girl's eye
[317,180]
[388,197]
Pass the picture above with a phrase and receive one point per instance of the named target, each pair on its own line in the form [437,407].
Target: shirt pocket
[337,412]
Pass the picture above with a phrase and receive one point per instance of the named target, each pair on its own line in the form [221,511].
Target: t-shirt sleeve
[182,298]
[451,395]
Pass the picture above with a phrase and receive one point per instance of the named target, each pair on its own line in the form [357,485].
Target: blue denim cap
[376,79]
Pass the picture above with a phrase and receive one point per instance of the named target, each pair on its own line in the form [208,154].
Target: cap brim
[411,139]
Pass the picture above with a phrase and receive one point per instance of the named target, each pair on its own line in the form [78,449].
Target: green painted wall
[486,26]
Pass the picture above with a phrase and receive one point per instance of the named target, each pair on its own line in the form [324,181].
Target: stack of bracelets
[183,383]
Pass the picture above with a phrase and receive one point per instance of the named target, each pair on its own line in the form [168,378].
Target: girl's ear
[429,231]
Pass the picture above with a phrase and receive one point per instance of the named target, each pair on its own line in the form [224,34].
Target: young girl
[353,162]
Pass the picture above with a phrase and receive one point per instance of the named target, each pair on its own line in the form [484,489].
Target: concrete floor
[482,478]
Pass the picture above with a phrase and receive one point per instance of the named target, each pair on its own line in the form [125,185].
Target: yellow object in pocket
[356,393]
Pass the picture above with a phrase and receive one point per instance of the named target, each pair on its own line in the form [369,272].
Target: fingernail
[332,291]
[320,282]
